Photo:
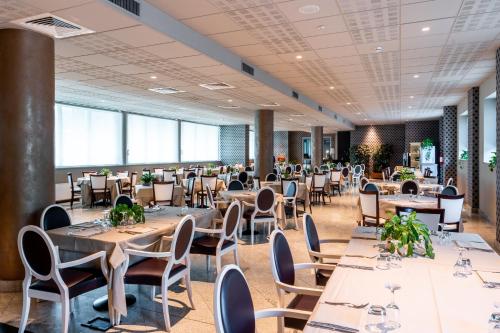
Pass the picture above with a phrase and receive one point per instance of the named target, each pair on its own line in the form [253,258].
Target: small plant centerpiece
[426,146]
[121,214]
[285,175]
[147,179]
[105,172]
[209,172]
[407,235]
[492,163]
[406,174]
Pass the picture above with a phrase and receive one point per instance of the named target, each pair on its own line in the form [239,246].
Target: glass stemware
[411,193]
[459,267]
[395,259]
[392,310]
[375,319]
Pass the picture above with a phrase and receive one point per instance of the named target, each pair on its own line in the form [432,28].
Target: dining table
[394,187]
[144,195]
[221,186]
[84,184]
[429,296]
[387,203]
[85,236]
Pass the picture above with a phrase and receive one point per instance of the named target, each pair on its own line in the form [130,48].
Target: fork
[351,305]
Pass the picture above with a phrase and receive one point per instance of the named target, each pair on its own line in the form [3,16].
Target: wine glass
[395,258]
[411,193]
[392,310]
[459,264]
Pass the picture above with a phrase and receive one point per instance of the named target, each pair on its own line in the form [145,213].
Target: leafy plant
[210,165]
[381,157]
[285,175]
[360,154]
[492,163]
[123,212]
[209,172]
[105,172]
[406,174]
[408,231]
[426,146]
[464,155]
[147,178]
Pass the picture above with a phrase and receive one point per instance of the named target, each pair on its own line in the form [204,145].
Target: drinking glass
[184,210]
[383,263]
[411,193]
[459,264]
[392,310]
[375,320]
[395,259]
[494,319]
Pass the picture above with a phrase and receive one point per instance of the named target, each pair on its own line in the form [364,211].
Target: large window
[87,137]
[151,140]
[199,142]
[490,128]
[251,145]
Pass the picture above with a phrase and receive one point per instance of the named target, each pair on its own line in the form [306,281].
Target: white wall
[462,136]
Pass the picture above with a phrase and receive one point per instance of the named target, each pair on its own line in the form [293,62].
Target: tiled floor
[334,220]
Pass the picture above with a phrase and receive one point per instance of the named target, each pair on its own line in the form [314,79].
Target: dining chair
[99,187]
[243,177]
[211,181]
[313,244]
[263,211]
[123,199]
[248,168]
[318,187]
[191,174]
[335,182]
[370,187]
[450,181]
[163,269]
[53,217]
[431,217]
[316,169]
[47,278]
[370,208]
[76,191]
[288,170]
[409,187]
[158,171]
[289,189]
[146,171]
[186,172]
[363,182]
[163,193]
[235,185]
[356,174]
[189,195]
[227,178]
[284,270]
[130,188]
[271,177]
[450,190]
[298,169]
[218,242]
[276,171]
[256,183]
[169,176]
[86,174]
[234,311]
[363,169]
[345,176]
[122,173]
[452,205]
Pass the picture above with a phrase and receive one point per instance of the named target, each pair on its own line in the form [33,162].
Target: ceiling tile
[139,36]
[333,40]
[212,24]
[291,9]
[442,26]
[189,8]
[235,38]
[429,10]
[99,60]
[171,50]
[321,26]
[337,52]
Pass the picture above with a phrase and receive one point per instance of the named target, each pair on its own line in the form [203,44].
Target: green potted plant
[122,212]
[406,174]
[405,233]
[147,179]
[105,172]
[381,158]
[360,154]
[426,146]
[492,163]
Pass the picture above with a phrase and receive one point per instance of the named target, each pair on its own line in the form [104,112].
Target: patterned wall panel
[295,145]
[281,143]
[233,144]
[498,145]
[472,195]
[441,173]
[449,144]
[417,131]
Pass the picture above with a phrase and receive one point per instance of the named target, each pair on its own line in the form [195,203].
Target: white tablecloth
[84,183]
[144,195]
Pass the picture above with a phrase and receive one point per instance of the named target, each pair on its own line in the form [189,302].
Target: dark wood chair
[99,188]
[335,182]
[318,188]
[235,185]
[86,174]
[409,187]
[123,200]
[53,217]
[189,196]
[370,208]
[76,191]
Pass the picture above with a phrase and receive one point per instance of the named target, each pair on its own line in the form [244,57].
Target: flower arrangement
[406,174]
[281,158]
[409,232]
[105,172]
[122,213]
[147,179]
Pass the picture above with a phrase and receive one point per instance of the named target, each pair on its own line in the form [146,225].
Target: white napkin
[491,277]
[473,245]
[85,232]
[138,230]
[340,315]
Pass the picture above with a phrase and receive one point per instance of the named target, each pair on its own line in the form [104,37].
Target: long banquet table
[78,243]
[431,299]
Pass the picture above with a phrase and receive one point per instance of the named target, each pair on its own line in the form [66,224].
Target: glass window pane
[251,145]
[85,137]
[151,140]
[199,142]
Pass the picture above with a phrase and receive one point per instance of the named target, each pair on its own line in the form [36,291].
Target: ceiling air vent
[52,25]
[131,6]
[247,68]
[320,108]
[216,86]
[228,106]
[166,91]
[295,95]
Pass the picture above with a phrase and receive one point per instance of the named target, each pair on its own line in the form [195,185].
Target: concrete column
[26,140]
[316,146]
[498,149]
[449,147]
[472,194]
[264,145]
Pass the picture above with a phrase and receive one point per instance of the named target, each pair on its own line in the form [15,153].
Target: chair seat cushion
[78,282]
[207,245]
[150,272]
[300,302]
[322,276]
[248,215]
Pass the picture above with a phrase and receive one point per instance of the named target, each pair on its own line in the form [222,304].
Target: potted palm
[381,159]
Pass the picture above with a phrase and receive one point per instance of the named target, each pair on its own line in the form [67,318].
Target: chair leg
[189,289]
[295,215]
[236,257]
[26,311]
[251,231]
[72,198]
[218,263]
[65,314]
[208,263]
[164,300]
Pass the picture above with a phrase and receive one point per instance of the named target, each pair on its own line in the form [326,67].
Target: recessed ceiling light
[154,77]
[348,103]
[379,49]
[358,112]
[290,119]
[412,97]
[309,9]
[298,115]
[269,104]
[298,57]
[425,29]
[416,76]
[410,107]
[365,119]
[229,100]
[332,87]
[321,27]
[166,90]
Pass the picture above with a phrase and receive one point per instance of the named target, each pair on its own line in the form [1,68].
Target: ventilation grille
[52,25]
[295,95]
[216,86]
[166,91]
[228,106]
[247,68]
[130,6]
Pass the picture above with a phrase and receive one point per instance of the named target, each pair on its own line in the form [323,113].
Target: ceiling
[416,74]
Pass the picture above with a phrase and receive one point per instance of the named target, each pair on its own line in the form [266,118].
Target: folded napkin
[489,277]
[138,230]
[359,261]
[473,245]
[364,230]
[85,232]
[339,315]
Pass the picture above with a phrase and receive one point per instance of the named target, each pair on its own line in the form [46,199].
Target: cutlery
[351,305]
[360,256]
[486,284]
[332,327]
[367,268]
[363,238]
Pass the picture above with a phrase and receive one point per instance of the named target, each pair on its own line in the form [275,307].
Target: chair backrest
[53,217]
[210,181]
[122,173]
[186,172]
[449,182]
[288,169]
[233,306]
[369,203]
[409,186]
[169,176]
[285,183]
[271,177]
[118,186]
[275,171]
[450,190]
[282,264]
[358,170]
[311,235]
[248,168]
[243,177]
[309,182]
[38,254]
[363,168]
[335,176]
[190,185]
[163,192]
[98,182]
[452,205]
[431,217]
[231,220]
[182,239]
[198,171]
[364,181]
[69,176]
[371,187]
[123,200]
[316,169]
[235,185]
[290,187]
[319,180]
[256,183]
[298,168]
[133,179]
[345,172]
[158,171]
[86,174]
[265,200]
